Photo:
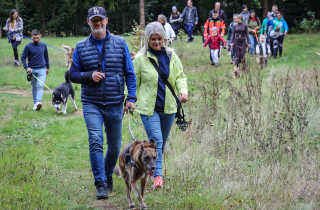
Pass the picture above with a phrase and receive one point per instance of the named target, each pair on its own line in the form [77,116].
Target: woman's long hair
[257,19]
[11,15]
[174,15]
[154,28]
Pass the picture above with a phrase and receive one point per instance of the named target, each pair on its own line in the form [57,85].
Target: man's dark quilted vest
[109,90]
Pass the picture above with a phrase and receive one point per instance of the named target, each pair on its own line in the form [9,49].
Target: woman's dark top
[164,62]
[240,30]
[177,24]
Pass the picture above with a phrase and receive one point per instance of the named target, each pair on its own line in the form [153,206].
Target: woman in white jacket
[167,27]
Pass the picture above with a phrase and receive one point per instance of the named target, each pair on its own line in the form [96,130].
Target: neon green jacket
[147,84]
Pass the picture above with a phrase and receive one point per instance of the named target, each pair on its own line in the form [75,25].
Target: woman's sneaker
[158,182]
[35,106]
[16,64]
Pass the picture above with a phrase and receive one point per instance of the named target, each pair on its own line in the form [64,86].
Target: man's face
[98,24]
[36,38]
[189,3]
[245,10]
[217,6]
[274,9]
[215,16]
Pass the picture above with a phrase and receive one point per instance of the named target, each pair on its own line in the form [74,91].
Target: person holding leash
[190,16]
[239,40]
[254,26]
[100,64]
[14,28]
[38,65]
[154,65]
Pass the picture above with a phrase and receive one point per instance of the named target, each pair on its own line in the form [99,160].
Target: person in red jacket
[214,40]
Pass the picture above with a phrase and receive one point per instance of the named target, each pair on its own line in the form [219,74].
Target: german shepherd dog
[143,156]
[68,57]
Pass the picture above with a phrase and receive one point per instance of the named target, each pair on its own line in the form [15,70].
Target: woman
[239,40]
[279,30]
[156,104]
[167,28]
[14,27]
[230,31]
[254,26]
[175,20]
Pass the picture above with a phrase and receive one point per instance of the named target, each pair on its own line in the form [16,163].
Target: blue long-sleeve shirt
[77,75]
[37,55]
[164,62]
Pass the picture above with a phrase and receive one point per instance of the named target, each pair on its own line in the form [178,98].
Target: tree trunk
[265,9]
[43,18]
[123,22]
[17,6]
[54,6]
[76,18]
[142,16]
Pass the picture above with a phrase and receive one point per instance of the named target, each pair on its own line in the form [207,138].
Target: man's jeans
[36,86]
[158,128]
[253,43]
[189,30]
[95,116]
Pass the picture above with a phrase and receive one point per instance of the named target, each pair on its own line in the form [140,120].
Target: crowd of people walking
[102,64]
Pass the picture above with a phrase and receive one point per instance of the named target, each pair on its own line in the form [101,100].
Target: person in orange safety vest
[215,21]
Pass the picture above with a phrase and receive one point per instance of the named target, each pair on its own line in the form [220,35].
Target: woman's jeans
[95,116]
[253,43]
[15,48]
[36,86]
[158,128]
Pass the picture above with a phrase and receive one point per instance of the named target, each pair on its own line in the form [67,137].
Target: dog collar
[128,158]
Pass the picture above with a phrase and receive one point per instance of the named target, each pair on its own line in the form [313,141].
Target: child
[263,51]
[214,40]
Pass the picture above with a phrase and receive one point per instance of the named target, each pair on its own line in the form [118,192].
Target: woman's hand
[231,45]
[183,97]
[5,28]
[248,45]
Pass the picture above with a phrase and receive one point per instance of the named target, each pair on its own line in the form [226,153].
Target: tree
[43,18]
[142,17]
[265,9]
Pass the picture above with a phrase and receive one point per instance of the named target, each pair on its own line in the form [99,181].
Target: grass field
[253,142]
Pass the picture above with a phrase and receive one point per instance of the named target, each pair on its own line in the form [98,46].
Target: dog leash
[130,131]
[42,83]
[32,40]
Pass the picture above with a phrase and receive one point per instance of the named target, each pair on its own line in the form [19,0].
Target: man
[38,65]
[221,13]
[190,16]
[272,16]
[100,63]
[245,13]
[214,21]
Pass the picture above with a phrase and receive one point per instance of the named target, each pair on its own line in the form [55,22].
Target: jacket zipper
[103,79]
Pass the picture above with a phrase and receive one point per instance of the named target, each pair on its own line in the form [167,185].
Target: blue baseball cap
[96,12]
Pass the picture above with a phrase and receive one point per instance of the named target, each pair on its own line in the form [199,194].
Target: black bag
[182,124]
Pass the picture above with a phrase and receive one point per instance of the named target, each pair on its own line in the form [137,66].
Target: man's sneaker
[35,106]
[102,191]
[158,182]
[15,64]
[109,183]
[39,105]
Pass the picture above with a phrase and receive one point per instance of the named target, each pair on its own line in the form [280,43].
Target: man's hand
[97,76]
[129,105]
[47,71]
[183,97]
[29,70]
[196,23]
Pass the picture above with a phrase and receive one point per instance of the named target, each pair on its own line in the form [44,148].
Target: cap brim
[103,16]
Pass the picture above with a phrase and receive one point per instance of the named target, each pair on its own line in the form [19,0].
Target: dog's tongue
[151,173]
